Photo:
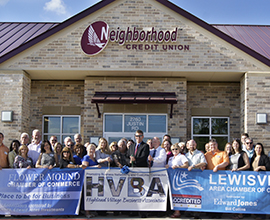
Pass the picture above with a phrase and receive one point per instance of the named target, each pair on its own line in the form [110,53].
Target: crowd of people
[239,155]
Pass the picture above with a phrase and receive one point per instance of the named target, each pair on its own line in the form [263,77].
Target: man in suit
[139,151]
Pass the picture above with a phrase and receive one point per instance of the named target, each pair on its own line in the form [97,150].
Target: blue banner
[40,191]
[223,191]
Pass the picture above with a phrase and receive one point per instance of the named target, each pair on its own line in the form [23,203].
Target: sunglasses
[140,135]
[175,149]
[248,142]
[66,152]
[70,145]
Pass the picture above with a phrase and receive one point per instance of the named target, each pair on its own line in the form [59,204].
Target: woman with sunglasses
[178,160]
[113,147]
[67,161]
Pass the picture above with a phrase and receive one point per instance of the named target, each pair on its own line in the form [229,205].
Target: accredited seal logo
[95,38]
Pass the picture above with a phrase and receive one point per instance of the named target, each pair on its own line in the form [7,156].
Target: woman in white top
[178,160]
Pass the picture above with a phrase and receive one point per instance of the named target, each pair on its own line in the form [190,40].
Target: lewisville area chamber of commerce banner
[223,191]
[58,191]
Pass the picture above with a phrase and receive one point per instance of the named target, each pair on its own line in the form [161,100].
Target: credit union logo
[95,38]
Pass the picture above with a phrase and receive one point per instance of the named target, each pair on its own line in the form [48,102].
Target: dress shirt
[195,158]
[249,153]
[159,158]
[34,151]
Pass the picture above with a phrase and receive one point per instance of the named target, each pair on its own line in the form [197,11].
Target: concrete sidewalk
[151,216]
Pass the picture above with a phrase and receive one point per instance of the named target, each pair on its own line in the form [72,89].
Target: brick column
[15,96]
[255,93]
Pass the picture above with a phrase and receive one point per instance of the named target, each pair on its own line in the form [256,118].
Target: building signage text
[97,35]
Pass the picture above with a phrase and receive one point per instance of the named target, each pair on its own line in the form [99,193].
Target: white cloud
[3,2]
[57,6]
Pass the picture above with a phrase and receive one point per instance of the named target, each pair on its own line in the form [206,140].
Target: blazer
[141,154]
[264,161]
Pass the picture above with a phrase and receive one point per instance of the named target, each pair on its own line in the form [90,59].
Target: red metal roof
[257,37]
[14,34]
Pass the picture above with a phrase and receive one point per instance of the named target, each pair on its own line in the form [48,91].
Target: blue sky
[211,11]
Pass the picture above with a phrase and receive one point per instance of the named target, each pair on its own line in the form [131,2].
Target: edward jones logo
[95,38]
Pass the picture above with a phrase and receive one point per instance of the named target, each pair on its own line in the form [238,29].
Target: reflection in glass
[71,125]
[157,123]
[113,123]
[219,125]
[64,136]
[47,137]
[221,142]
[135,122]
[201,141]
[201,126]
[112,139]
[52,125]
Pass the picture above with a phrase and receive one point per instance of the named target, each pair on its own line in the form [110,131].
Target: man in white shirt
[24,139]
[196,159]
[157,156]
[34,147]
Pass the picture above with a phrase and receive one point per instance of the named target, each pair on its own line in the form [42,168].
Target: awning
[134,97]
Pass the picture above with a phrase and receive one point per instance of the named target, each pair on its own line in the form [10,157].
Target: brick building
[159,69]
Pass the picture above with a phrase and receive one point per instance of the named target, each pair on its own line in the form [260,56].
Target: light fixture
[7,116]
[261,118]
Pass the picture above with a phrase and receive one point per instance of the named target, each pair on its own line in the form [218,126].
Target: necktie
[154,154]
[136,149]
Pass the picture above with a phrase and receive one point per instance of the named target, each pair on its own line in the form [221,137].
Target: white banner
[139,190]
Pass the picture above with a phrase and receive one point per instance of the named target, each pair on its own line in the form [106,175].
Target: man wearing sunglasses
[249,149]
[139,151]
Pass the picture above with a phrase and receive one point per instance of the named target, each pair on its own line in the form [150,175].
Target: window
[117,126]
[205,128]
[61,126]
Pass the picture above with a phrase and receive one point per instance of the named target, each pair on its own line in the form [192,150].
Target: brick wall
[257,90]
[215,95]
[15,95]
[204,53]
[93,126]
[54,93]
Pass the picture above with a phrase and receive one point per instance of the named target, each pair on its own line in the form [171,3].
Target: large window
[61,126]
[206,128]
[117,126]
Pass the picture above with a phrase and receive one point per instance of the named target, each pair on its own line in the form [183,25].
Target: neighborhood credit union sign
[97,35]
